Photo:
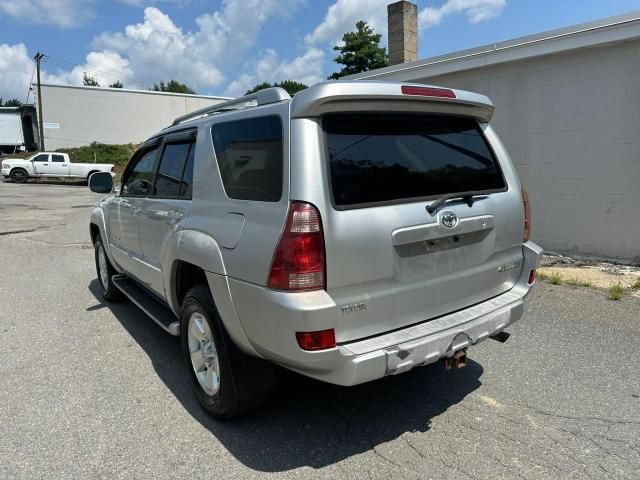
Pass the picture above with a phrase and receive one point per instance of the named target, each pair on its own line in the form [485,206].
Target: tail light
[298,262]
[113,169]
[527,213]
[321,340]
[427,91]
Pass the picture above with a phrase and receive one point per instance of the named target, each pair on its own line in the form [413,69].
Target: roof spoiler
[361,95]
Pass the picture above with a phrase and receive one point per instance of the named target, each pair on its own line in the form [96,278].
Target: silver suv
[355,231]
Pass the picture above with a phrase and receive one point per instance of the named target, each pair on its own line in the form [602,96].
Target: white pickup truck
[50,164]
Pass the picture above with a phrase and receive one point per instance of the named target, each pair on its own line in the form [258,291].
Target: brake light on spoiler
[428,91]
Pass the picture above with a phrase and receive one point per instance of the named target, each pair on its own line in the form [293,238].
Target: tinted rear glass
[250,157]
[390,158]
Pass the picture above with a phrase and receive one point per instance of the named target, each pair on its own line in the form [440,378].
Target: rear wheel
[105,271]
[225,381]
[89,176]
[18,175]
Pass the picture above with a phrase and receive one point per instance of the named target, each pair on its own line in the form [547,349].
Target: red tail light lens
[527,213]
[532,277]
[298,262]
[428,91]
[321,340]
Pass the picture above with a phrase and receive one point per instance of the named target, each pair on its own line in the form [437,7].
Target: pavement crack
[16,232]
[568,417]
[412,447]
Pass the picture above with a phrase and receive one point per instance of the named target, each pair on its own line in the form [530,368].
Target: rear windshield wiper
[437,203]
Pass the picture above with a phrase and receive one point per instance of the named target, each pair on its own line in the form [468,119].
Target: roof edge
[129,90]
[583,35]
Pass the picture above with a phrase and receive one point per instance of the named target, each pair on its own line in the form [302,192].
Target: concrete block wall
[80,116]
[571,123]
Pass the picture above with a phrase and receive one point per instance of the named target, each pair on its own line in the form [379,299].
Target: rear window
[393,158]
[250,157]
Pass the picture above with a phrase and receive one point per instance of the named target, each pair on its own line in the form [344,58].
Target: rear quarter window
[250,157]
[393,158]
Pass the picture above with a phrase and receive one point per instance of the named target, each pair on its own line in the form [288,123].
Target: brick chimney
[402,18]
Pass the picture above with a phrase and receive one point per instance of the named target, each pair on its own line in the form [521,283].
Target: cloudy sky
[224,47]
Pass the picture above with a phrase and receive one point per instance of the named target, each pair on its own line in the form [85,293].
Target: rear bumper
[270,320]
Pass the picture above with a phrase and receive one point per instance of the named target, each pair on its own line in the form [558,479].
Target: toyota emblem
[449,219]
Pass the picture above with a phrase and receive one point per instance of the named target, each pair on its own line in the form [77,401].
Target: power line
[66,64]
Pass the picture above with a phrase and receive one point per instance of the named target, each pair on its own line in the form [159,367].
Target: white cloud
[16,67]
[306,68]
[476,11]
[342,17]
[60,13]
[105,67]
[157,49]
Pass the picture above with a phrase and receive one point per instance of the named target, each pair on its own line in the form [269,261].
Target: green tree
[360,51]
[116,84]
[14,102]
[291,86]
[89,81]
[172,86]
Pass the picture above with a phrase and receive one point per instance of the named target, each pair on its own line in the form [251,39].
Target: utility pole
[37,58]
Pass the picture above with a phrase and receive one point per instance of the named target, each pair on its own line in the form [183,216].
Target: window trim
[192,145]
[284,151]
[143,150]
[407,200]
[159,143]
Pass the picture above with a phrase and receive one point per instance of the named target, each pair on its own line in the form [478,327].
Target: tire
[19,175]
[242,383]
[104,272]
[89,176]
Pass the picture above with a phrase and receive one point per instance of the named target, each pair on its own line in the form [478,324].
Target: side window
[172,169]
[140,177]
[58,158]
[250,157]
[43,157]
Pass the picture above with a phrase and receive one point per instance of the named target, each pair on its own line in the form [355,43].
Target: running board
[159,313]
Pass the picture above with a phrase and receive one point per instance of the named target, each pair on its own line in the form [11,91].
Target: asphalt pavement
[94,390]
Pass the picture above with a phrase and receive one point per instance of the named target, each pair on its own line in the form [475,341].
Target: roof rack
[261,97]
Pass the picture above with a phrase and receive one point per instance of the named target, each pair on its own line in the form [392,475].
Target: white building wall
[76,116]
[10,128]
[571,122]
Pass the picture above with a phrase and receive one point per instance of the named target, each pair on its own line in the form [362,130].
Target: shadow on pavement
[306,422]
[45,182]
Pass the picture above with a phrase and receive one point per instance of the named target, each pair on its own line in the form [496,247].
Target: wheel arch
[195,258]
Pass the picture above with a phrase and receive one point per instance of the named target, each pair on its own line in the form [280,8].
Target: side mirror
[101,182]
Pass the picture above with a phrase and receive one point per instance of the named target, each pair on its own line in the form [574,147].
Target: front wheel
[226,382]
[19,175]
[105,271]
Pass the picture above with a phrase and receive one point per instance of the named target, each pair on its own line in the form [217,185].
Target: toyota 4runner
[355,231]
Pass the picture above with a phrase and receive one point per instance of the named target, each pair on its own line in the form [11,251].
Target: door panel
[136,184]
[160,219]
[123,216]
[58,166]
[41,164]
[166,209]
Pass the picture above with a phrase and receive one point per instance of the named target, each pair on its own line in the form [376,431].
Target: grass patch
[576,282]
[616,292]
[101,153]
[636,285]
[541,275]
[555,278]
